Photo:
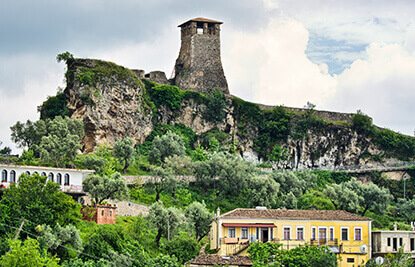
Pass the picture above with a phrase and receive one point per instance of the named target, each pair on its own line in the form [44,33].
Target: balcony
[325,242]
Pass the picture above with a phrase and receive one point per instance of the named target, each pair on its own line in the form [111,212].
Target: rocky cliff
[114,103]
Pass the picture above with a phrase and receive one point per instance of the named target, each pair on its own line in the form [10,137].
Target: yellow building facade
[346,234]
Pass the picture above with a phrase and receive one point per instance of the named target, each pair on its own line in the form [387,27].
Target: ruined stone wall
[326,115]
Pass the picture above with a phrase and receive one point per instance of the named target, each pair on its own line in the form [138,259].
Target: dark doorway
[264,234]
[395,244]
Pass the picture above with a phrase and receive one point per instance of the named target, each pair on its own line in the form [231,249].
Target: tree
[370,196]
[167,145]
[62,142]
[124,151]
[262,191]
[304,256]
[27,254]
[162,179]
[216,107]
[342,197]
[164,220]
[314,200]
[263,253]
[5,150]
[200,218]
[104,187]
[288,201]
[181,165]
[57,240]
[406,208]
[38,202]
[93,162]
[183,247]
[289,182]
[65,56]
[28,134]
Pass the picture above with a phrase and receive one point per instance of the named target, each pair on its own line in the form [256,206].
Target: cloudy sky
[340,55]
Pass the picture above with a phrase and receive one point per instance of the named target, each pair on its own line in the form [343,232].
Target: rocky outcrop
[110,100]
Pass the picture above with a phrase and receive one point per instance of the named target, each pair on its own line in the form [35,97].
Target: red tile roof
[214,259]
[326,215]
[201,20]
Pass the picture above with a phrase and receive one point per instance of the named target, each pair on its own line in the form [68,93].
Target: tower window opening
[199,30]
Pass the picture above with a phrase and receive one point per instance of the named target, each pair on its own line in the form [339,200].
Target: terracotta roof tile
[213,259]
[326,215]
[201,20]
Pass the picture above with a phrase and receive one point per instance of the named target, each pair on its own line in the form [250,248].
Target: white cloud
[39,80]
[381,86]
[273,64]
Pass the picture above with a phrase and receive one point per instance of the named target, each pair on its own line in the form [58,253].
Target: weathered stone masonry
[199,66]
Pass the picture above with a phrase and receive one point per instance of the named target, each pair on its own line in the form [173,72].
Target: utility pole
[18,233]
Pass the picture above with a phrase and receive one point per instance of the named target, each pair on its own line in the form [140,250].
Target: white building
[70,180]
[385,242]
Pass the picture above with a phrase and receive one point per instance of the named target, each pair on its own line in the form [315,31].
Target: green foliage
[406,208]
[28,134]
[181,165]
[261,254]
[103,187]
[62,142]
[288,201]
[38,202]
[164,260]
[274,128]
[26,254]
[362,123]
[278,153]
[314,200]
[199,218]
[183,247]
[216,107]
[164,220]
[262,191]
[167,145]
[124,151]
[65,56]
[54,106]
[342,197]
[170,96]
[395,144]
[5,150]
[304,256]
[92,162]
[162,180]
[60,240]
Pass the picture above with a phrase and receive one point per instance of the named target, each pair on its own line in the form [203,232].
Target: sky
[339,55]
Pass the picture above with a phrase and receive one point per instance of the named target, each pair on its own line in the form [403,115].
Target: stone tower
[199,66]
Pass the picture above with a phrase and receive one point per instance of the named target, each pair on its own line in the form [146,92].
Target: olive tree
[165,220]
[164,146]
[200,218]
[124,151]
[103,187]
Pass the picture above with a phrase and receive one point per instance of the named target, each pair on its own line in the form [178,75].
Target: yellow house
[346,234]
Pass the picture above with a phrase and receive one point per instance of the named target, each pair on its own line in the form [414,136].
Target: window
[257,233]
[110,213]
[389,241]
[50,177]
[59,178]
[231,232]
[4,176]
[66,179]
[35,172]
[357,234]
[350,260]
[287,231]
[331,234]
[400,242]
[12,176]
[345,233]
[300,233]
[412,244]
[244,233]
[313,233]
[102,213]
[27,172]
[43,174]
[272,233]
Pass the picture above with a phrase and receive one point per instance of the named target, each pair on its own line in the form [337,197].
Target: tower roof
[201,20]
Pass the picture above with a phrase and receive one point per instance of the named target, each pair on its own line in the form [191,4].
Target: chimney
[395,226]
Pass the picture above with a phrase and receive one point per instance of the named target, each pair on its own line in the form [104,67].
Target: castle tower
[199,66]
